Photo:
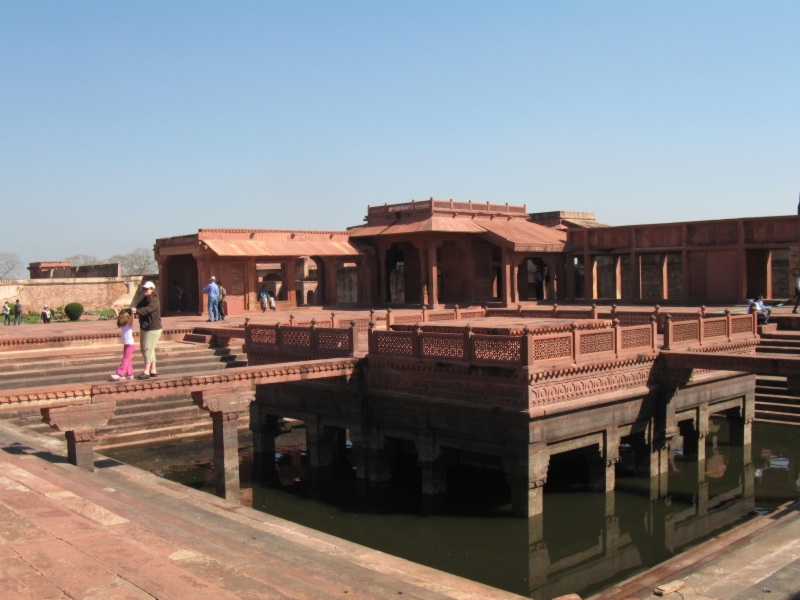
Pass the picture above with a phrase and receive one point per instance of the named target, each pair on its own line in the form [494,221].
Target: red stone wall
[92,293]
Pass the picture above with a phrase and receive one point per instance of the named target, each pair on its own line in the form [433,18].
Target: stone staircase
[135,422]
[774,402]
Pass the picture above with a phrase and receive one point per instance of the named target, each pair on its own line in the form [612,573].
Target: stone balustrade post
[528,353]
[654,333]
[334,320]
[555,311]
[700,328]
[353,338]
[79,423]
[389,318]
[314,336]
[371,347]
[617,338]
[225,407]
[667,332]
[728,324]
[594,311]
[291,320]
[457,312]
[417,341]
[519,310]
[575,339]
[424,314]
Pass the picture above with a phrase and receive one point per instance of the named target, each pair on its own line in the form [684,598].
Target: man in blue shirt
[757,306]
[212,289]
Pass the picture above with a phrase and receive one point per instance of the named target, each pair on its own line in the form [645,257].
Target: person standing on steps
[125,323]
[46,315]
[149,312]
[17,313]
[212,289]
[6,314]
[221,300]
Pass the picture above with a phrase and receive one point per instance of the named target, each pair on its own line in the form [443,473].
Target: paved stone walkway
[123,533]
[759,560]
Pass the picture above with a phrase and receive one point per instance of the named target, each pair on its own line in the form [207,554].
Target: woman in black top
[149,312]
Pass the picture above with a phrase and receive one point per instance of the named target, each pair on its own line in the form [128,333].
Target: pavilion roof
[229,247]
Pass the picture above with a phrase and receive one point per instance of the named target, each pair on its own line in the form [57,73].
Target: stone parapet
[92,292]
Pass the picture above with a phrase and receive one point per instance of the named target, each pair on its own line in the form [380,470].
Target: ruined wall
[92,293]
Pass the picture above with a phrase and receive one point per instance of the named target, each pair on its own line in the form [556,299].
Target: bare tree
[10,264]
[137,262]
[80,260]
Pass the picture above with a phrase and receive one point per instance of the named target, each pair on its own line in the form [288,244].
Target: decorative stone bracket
[79,424]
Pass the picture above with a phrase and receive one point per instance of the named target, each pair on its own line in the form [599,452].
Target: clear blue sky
[121,122]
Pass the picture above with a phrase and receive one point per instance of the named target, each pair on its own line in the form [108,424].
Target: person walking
[46,315]
[6,314]
[212,289]
[796,293]
[17,313]
[149,312]
[221,300]
[181,292]
[125,323]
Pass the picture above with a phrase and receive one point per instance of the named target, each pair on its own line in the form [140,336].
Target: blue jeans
[213,309]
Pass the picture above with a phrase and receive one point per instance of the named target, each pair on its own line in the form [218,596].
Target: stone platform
[124,533]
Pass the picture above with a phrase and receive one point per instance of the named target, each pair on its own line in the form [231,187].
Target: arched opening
[183,270]
[310,276]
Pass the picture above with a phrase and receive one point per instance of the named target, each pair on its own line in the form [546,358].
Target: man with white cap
[212,289]
[46,315]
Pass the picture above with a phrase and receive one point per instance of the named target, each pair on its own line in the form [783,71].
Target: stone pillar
[79,423]
[265,428]
[685,274]
[694,438]
[382,275]
[589,277]
[659,470]
[423,272]
[664,272]
[321,442]
[433,470]
[538,555]
[289,280]
[618,276]
[603,463]
[526,473]
[508,284]
[225,407]
[570,278]
[331,286]
[433,276]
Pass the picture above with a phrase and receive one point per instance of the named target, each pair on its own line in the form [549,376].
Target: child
[125,322]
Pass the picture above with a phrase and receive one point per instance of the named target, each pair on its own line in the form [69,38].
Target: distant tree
[80,260]
[10,265]
[137,262]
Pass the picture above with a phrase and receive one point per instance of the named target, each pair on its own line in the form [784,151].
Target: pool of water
[584,542]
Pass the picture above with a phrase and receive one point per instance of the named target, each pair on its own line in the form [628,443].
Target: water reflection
[583,543]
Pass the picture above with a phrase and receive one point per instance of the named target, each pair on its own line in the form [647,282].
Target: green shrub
[73,310]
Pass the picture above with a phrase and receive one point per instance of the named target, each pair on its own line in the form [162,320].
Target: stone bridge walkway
[124,533]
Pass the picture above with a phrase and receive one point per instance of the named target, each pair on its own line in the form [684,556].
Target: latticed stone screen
[259,335]
[742,324]
[296,337]
[452,347]
[497,350]
[631,320]
[597,342]
[394,343]
[362,325]
[471,314]
[574,314]
[442,317]
[333,339]
[552,348]
[637,338]
[408,319]
[714,329]
[685,332]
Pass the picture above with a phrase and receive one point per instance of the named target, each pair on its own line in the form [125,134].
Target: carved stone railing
[426,316]
[308,341]
[532,349]
[446,205]
[702,332]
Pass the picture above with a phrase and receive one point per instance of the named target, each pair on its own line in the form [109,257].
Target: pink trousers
[126,367]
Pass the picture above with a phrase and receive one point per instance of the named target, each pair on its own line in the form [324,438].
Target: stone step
[94,377]
[777,417]
[782,398]
[153,404]
[114,359]
[777,350]
[198,338]
[139,437]
[776,422]
[778,406]
[161,437]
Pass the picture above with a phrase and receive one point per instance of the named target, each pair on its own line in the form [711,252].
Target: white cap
[149,284]
[213,278]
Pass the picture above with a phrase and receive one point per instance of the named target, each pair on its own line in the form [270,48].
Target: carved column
[618,276]
[331,287]
[289,280]
[265,428]
[382,274]
[570,276]
[602,465]
[79,424]
[508,283]
[225,407]
[526,474]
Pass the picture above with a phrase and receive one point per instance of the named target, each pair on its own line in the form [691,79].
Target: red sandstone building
[442,252]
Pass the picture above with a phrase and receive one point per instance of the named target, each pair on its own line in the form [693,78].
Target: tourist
[125,323]
[212,289]
[547,287]
[271,301]
[46,315]
[263,298]
[17,313]
[221,300]
[796,293]
[538,281]
[181,292]
[149,312]
[757,306]
[6,314]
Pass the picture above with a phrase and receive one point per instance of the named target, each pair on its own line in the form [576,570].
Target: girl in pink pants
[125,323]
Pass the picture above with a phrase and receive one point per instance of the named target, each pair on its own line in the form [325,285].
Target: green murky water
[584,542]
